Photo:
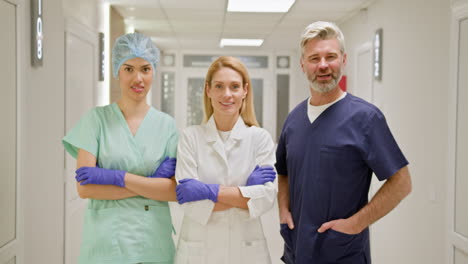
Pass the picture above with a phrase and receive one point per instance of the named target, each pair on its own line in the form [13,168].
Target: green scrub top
[129,230]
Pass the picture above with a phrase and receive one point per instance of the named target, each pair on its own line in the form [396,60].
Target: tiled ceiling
[200,24]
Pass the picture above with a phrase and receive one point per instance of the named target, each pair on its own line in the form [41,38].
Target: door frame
[363,48]
[454,239]
[15,248]
[183,73]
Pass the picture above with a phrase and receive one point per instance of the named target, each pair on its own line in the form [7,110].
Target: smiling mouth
[138,88]
[227,104]
[323,77]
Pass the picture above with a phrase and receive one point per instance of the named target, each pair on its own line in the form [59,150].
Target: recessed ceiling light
[241,42]
[130,29]
[131,8]
[267,6]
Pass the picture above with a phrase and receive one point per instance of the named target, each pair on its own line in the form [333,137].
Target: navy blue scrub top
[329,165]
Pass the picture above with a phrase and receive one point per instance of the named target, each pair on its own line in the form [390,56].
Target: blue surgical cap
[131,46]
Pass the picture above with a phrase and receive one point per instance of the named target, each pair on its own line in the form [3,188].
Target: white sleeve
[262,197]
[199,211]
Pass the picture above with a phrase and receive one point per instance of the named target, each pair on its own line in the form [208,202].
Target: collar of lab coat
[236,132]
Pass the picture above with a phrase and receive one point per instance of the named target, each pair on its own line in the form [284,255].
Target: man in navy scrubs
[329,147]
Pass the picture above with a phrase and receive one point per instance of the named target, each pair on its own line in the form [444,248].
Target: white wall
[42,122]
[413,96]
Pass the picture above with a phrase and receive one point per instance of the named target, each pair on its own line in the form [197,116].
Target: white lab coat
[234,235]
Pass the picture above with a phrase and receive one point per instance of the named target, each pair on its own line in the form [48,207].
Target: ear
[302,63]
[345,58]
[207,89]
[246,90]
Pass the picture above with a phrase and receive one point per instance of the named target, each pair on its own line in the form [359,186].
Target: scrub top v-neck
[129,230]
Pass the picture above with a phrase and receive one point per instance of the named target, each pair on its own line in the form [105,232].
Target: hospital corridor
[409,58]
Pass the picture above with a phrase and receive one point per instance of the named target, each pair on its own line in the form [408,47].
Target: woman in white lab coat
[225,174]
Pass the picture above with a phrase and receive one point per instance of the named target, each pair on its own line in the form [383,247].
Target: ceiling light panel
[260,6]
[241,42]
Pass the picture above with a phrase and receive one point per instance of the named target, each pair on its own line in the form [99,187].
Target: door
[363,85]
[458,147]
[10,243]
[190,99]
[81,48]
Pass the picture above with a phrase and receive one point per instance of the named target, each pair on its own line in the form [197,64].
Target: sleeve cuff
[262,198]
[199,211]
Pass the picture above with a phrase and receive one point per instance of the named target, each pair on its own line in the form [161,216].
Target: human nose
[227,92]
[323,64]
[139,76]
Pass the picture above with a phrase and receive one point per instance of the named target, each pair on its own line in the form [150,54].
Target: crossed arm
[152,188]
[230,197]
[392,192]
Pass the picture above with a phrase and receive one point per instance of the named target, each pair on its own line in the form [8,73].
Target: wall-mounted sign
[343,83]
[378,54]
[101,56]
[37,36]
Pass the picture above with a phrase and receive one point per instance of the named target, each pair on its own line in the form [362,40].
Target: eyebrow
[235,82]
[146,65]
[315,55]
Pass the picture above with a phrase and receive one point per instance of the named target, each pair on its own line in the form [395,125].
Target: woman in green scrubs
[121,151]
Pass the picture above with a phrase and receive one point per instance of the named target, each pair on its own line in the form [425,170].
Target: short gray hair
[322,30]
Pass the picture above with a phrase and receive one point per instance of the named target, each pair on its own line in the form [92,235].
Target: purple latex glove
[261,175]
[190,190]
[95,175]
[166,169]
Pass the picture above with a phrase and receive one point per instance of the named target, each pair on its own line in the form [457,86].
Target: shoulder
[361,106]
[162,120]
[99,113]
[161,116]
[298,113]
[194,130]
[259,135]
[301,108]
[362,113]
[258,131]
[297,117]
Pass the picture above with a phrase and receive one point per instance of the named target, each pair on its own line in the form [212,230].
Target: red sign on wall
[342,83]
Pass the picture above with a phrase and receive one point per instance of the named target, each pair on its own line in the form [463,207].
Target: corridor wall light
[241,42]
[260,6]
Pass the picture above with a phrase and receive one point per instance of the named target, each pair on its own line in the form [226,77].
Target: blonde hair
[247,109]
[322,30]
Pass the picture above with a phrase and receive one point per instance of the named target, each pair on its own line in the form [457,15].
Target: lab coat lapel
[236,134]
[214,140]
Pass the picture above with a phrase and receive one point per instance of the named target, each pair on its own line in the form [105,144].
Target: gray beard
[325,87]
